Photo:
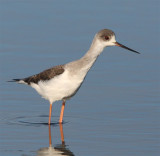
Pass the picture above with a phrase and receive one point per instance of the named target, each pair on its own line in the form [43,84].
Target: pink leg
[50,112]
[62,111]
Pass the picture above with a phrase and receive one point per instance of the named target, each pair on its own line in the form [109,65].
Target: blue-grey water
[116,111]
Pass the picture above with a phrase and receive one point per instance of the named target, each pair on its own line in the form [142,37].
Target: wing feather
[45,75]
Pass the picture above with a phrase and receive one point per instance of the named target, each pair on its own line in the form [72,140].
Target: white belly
[59,87]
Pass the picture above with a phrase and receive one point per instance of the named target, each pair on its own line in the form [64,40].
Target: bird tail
[17,80]
[14,80]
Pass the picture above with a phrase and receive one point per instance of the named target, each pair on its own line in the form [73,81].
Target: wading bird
[63,81]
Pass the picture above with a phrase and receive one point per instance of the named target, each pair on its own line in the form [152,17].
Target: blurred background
[116,111]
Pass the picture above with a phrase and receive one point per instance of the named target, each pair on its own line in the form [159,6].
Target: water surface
[116,111]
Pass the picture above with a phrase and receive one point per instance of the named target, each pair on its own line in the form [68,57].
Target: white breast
[59,87]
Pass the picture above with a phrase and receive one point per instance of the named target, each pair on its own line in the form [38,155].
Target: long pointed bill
[121,45]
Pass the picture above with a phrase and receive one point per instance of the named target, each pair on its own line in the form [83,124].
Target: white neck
[85,63]
[90,57]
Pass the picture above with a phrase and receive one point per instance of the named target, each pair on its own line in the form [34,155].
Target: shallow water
[116,111]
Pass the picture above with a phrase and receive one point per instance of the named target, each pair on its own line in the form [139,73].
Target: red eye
[106,37]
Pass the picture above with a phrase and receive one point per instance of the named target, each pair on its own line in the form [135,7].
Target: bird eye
[106,38]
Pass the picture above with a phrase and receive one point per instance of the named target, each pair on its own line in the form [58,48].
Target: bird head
[107,38]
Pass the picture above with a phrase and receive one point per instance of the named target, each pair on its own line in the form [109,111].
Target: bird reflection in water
[60,149]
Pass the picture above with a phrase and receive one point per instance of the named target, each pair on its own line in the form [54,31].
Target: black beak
[121,45]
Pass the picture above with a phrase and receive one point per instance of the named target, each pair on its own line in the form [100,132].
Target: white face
[110,41]
[106,37]
[106,40]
